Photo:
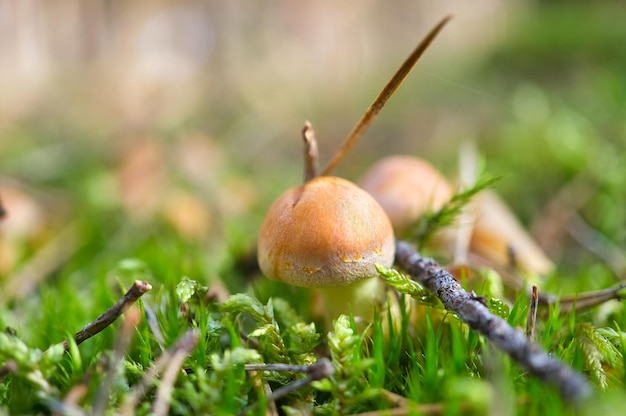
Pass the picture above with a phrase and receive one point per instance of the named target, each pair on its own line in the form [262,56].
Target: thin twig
[319,370]
[567,303]
[186,343]
[123,340]
[427,409]
[584,300]
[532,314]
[293,368]
[394,399]
[379,102]
[138,288]
[164,393]
[471,310]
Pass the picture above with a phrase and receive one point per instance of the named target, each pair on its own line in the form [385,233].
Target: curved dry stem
[379,102]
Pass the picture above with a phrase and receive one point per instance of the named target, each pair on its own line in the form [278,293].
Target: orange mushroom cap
[406,187]
[325,233]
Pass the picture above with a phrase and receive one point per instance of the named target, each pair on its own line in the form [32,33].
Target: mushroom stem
[311,155]
[359,299]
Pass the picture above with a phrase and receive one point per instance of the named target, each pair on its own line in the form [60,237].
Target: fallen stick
[472,310]
[138,288]
[319,370]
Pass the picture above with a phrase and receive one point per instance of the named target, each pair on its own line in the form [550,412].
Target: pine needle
[433,221]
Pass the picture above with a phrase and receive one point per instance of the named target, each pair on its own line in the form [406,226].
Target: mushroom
[328,234]
[406,187]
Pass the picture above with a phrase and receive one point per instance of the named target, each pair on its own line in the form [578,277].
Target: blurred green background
[163,130]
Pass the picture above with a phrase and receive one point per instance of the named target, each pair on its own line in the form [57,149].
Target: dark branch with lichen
[472,310]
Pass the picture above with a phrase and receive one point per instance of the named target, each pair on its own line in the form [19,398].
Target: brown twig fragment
[412,408]
[567,303]
[532,314]
[394,399]
[319,370]
[121,344]
[311,154]
[138,288]
[469,308]
[184,345]
[161,404]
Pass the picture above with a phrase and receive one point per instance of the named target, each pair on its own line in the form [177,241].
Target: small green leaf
[242,355]
[14,348]
[52,355]
[323,385]
[408,286]
[498,307]
[186,288]
[301,339]
[236,356]
[261,331]
[240,303]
